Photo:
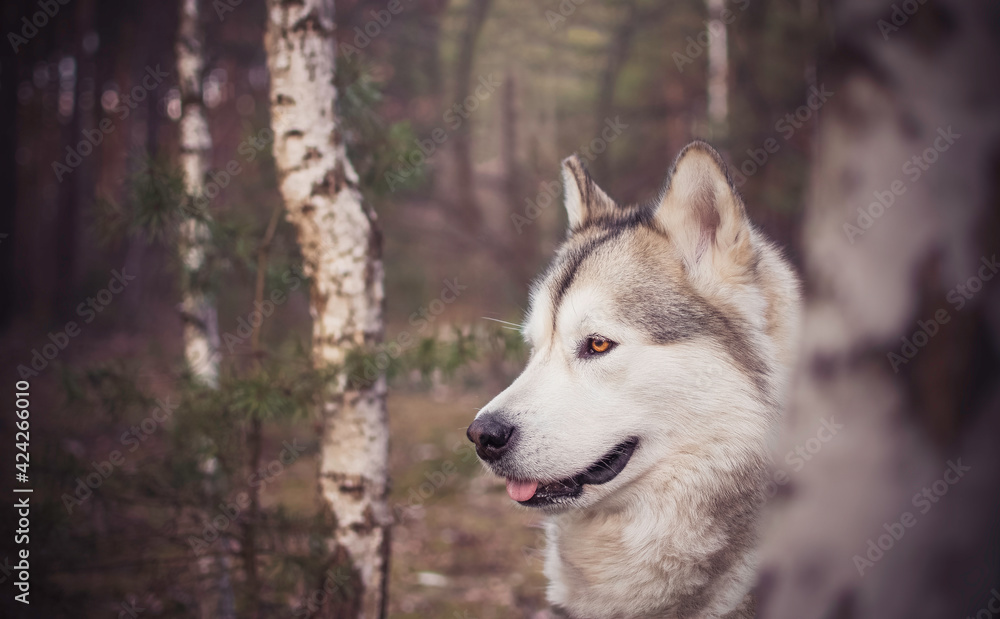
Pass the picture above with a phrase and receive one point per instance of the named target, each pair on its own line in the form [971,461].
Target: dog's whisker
[513,325]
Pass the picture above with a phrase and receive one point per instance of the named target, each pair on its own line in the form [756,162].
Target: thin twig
[255,438]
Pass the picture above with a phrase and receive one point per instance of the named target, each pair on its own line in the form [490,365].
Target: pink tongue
[521,490]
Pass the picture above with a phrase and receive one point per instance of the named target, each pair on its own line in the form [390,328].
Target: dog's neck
[689,554]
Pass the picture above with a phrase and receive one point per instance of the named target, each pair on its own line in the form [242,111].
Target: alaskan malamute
[662,339]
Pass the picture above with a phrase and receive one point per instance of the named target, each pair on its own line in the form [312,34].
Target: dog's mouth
[533,493]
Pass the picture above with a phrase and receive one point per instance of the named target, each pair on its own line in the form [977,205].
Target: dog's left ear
[584,200]
[703,214]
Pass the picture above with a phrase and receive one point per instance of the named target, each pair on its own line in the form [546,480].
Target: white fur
[635,546]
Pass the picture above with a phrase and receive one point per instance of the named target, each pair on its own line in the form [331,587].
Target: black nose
[491,436]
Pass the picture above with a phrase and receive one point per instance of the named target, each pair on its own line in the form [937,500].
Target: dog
[662,341]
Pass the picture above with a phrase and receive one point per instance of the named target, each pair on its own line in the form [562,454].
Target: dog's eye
[596,345]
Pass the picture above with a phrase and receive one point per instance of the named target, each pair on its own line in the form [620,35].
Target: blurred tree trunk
[341,251]
[524,245]
[509,143]
[718,71]
[201,323]
[431,19]
[82,184]
[66,227]
[617,55]
[73,67]
[901,342]
[468,207]
[10,70]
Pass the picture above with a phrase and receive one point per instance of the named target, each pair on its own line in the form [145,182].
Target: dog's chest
[613,566]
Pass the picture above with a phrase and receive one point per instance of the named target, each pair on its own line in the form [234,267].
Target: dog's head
[648,341]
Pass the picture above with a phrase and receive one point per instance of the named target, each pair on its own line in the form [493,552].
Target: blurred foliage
[208,450]
[189,458]
[373,145]
[446,353]
[153,206]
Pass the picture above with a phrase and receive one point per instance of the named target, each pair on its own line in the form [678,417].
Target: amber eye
[598,345]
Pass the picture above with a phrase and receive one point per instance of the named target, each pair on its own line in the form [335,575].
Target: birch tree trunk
[201,322]
[718,71]
[901,332]
[340,246]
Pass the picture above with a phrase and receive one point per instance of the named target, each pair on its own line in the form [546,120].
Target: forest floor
[462,548]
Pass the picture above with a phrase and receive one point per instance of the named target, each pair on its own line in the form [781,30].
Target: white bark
[718,70]
[201,323]
[340,248]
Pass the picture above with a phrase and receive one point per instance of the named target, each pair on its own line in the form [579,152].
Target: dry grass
[461,550]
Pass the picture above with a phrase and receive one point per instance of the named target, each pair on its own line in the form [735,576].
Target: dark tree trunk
[617,55]
[10,70]
[78,189]
[467,205]
[432,39]
[509,139]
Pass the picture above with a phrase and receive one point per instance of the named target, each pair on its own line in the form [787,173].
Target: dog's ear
[584,200]
[703,213]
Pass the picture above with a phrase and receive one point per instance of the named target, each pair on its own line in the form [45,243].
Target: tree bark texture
[341,250]
[201,322]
